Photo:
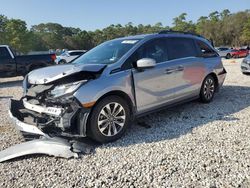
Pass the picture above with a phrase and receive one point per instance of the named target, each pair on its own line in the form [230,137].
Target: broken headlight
[61,90]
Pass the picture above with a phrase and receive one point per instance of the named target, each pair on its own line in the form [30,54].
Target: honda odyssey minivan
[100,93]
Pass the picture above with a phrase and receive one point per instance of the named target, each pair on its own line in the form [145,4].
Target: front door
[154,86]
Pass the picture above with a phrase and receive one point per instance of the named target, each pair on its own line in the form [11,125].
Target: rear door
[188,69]
[154,86]
[7,63]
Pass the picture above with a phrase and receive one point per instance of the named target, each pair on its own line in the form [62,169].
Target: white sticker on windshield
[129,41]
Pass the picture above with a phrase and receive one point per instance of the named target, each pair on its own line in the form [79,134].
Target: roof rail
[180,32]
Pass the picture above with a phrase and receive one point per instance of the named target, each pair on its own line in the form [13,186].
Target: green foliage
[3,21]
[16,34]
[246,32]
[224,28]
[180,24]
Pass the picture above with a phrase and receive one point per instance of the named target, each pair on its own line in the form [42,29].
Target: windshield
[107,53]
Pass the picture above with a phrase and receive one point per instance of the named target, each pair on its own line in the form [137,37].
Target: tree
[16,34]
[224,28]
[180,24]
[52,34]
[225,13]
[3,21]
[246,33]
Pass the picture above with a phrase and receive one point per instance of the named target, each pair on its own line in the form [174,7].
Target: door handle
[170,71]
[180,68]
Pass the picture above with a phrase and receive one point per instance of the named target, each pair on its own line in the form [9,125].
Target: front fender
[93,90]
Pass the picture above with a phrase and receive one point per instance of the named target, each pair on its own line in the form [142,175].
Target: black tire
[99,114]
[62,62]
[228,56]
[208,89]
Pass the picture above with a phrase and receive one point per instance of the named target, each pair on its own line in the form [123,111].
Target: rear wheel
[228,56]
[208,89]
[109,119]
[62,62]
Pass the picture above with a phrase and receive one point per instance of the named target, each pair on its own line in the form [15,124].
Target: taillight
[53,57]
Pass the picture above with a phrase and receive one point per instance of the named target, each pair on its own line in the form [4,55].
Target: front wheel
[207,89]
[109,119]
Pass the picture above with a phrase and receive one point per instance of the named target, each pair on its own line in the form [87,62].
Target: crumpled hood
[53,73]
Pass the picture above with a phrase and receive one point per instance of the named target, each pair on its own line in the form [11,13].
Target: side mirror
[145,63]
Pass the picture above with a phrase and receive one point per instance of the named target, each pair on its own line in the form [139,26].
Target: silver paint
[245,65]
[53,147]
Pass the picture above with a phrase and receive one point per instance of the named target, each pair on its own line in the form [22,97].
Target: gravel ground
[193,145]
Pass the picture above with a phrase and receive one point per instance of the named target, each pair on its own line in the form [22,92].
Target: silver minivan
[100,93]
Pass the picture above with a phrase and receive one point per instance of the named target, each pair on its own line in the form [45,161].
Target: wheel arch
[121,94]
[118,93]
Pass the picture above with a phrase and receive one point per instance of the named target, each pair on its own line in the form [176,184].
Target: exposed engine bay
[51,107]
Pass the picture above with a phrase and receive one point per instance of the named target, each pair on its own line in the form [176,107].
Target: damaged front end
[62,118]
[48,108]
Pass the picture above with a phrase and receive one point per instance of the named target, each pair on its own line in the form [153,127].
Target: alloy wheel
[209,88]
[111,119]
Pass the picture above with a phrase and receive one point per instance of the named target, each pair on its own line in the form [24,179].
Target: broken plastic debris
[56,146]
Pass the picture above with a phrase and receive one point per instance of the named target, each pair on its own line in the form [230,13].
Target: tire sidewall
[93,129]
[202,96]
[62,62]
[228,56]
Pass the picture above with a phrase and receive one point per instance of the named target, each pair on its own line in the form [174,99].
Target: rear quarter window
[205,50]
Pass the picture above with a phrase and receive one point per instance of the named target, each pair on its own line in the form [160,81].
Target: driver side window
[155,49]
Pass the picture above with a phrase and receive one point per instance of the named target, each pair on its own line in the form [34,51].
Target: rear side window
[4,53]
[205,50]
[181,48]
